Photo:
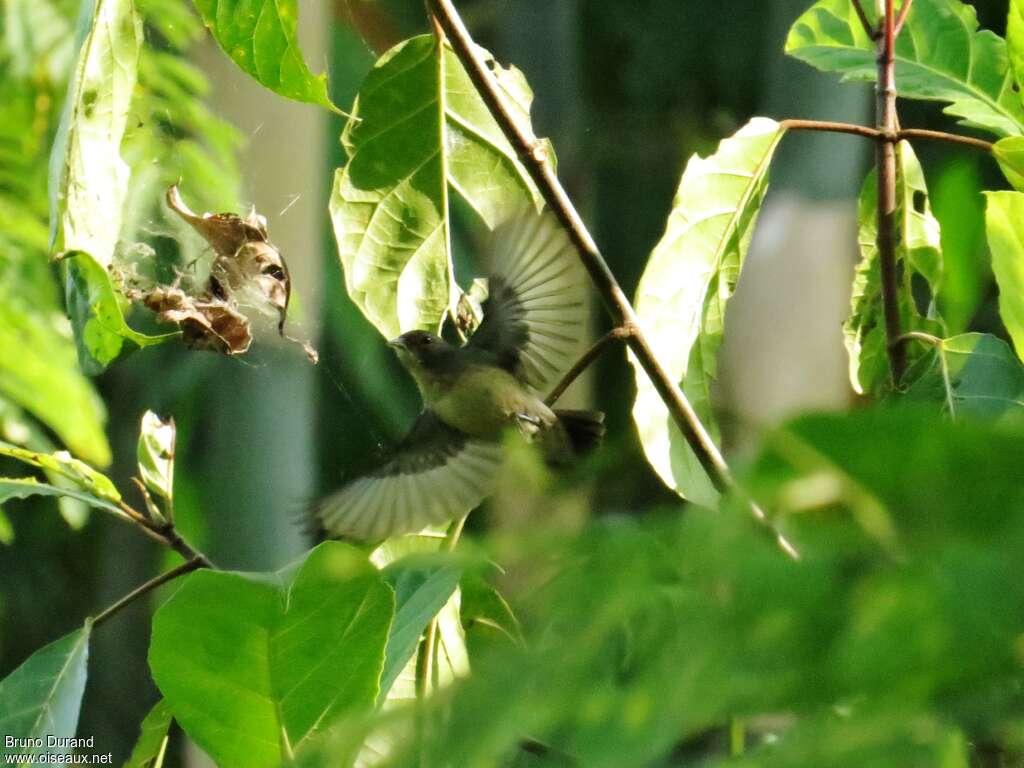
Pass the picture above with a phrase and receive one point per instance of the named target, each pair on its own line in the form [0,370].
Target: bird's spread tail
[583,428]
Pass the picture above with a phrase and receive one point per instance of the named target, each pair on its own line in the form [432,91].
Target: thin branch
[927,338]
[901,19]
[874,133]
[921,133]
[534,157]
[588,358]
[865,22]
[885,158]
[149,586]
[832,127]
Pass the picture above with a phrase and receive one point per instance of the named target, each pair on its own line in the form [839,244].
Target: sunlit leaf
[975,374]
[1004,224]
[940,55]
[43,696]
[156,455]
[260,37]
[23,487]
[682,295]
[96,310]
[297,649]
[88,177]
[419,130]
[63,464]
[918,249]
[152,744]
[1009,152]
[1015,40]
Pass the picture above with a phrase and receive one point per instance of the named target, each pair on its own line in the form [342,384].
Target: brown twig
[901,19]
[922,133]
[587,359]
[874,133]
[885,158]
[865,22]
[534,158]
[186,567]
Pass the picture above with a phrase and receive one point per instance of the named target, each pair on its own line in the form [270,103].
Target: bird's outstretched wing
[436,474]
[535,314]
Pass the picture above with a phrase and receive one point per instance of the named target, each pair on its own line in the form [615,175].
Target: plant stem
[586,361]
[186,567]
[425,657]
[534,157]
[885,158]
[873,133]
[904,11]
[872,32]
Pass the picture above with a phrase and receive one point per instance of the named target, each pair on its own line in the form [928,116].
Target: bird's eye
[428,339]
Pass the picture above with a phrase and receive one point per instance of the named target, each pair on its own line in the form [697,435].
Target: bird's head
[426,352]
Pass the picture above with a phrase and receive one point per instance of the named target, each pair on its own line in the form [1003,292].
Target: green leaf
[420,594]
[23,487]
[483,607]
[6,529]
[940,56]
[974,373]
[39,373]
[1015,40]
[63,464]
[152,744]
[1009,153]
[156,455]
[97,315]
[1003,225]
[43,696]
[260,37]
[918,249]
[418,129]
[683,292]
[254,664]
[88,177]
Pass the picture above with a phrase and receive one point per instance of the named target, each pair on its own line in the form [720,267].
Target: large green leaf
[88,177]
[39,373]
[974,373]
[252,665]
[96,310]
[152,744]
[260,37]
[1004,224]
[918,250]
[420,594]
[1015,39]
[682,295]
[43,696]
[418,129]
[940,55]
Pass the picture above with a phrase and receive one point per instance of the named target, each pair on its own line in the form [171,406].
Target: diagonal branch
[534,158]
[585,361]
[901,19]
[865,22]
[144,589]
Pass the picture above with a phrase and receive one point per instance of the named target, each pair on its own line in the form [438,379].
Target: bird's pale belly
[485,401]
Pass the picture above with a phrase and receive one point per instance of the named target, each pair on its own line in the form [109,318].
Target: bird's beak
[397,343]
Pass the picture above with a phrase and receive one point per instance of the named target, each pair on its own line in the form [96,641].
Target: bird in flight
[534,321]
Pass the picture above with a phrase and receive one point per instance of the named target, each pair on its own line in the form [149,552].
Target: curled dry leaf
[247,271]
